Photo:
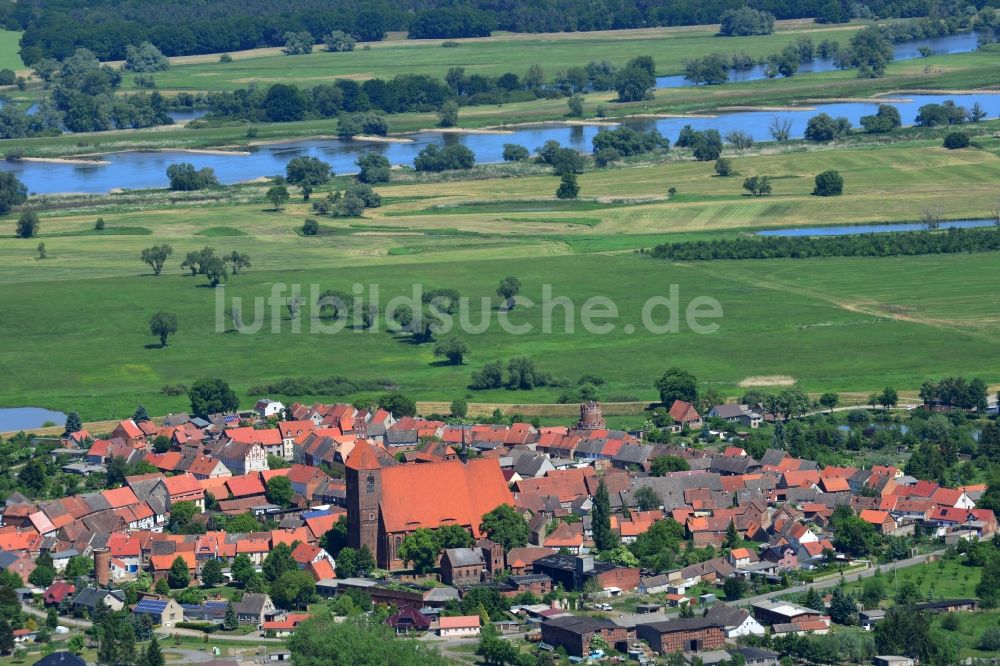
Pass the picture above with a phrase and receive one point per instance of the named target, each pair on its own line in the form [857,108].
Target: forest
[56,28]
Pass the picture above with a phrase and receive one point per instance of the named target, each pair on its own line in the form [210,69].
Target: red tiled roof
[182,484]
[245,486]
[129,427]
[248,435]
[444,493]
[164,562]
[119,497]
[459,622]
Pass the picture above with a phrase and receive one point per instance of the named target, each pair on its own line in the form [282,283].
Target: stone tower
[590,416]
[364,492]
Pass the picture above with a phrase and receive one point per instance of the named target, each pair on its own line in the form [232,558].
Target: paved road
[255,637]
[835,580]
[631,619]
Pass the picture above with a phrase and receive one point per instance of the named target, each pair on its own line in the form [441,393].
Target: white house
[463,625]
[266,408]
[737,621]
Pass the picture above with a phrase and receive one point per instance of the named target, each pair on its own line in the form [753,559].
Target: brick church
[387,501]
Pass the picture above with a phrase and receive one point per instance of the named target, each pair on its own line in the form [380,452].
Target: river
[964,42]
[854,229]
[144,169]
[147,169]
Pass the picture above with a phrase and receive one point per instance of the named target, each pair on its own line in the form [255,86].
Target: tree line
[860,245]
[55,28]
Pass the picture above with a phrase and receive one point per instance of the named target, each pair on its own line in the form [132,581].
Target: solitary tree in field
[27,224]
[509,288]
[12,192]
[156,256]
[568,187]
[308,173]
[453,348]
[278,196]
[238,262]
[757,186]
[780,129]
[41,250]
[162,325]
[829,184]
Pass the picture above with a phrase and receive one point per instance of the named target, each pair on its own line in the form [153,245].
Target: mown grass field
[495,55]
[10,57]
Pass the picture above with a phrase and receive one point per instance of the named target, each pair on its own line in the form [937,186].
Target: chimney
[584,564]
[102,567]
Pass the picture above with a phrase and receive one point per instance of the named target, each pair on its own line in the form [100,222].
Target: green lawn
[10,57]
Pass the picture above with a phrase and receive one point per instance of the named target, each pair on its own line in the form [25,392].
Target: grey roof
[684,624]
[579,623]
[252,603]
[728,615]
[733,464]
[729,410]
[175,419]
[465,557]
[6,559]
[671,488]
[441,594]
[530,463]
[90,596]
[772,457]
[637,455]
[61,658]
[755,653]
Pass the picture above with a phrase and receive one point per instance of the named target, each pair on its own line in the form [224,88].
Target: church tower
[364,492]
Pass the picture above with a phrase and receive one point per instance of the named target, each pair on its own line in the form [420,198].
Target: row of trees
[861,245]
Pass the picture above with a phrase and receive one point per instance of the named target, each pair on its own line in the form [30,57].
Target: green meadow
[77,321]
[10,57]
[495,55]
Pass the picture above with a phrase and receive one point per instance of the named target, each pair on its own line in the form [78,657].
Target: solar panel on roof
[190,606]
[150,606]
[216,604]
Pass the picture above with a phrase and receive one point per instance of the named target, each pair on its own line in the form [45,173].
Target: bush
[512,152]
[568,187]
[339,41]
[455,156]
[450,44]
[757,186]
[374,169]
[746,21]
[824,128]
[724,167]
[99,224]
[225,57]
[183,177]
[310,227]
[829,184]
[956,140]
